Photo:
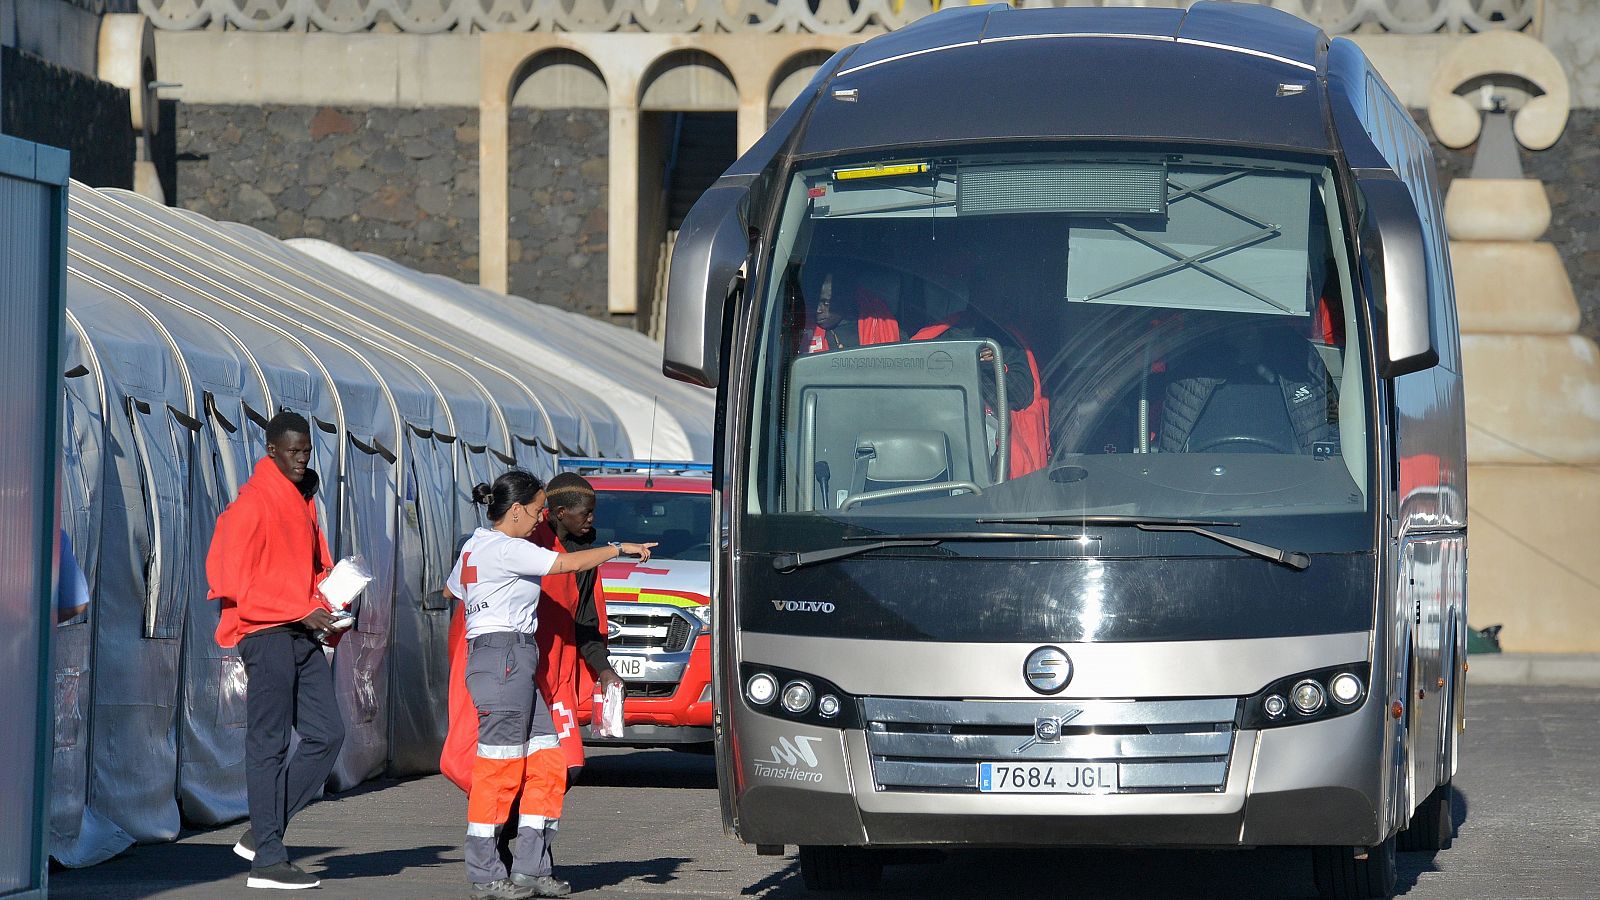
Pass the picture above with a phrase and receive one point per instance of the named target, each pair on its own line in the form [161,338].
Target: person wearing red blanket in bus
[1030,410]
[846,319]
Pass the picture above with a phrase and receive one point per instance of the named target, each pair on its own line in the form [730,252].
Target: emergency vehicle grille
[662,628]
[1157,746]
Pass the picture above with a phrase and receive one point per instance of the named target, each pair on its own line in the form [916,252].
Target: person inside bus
[847,315]
[497,577]
[995,285]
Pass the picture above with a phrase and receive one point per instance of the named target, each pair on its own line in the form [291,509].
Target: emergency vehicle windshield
[962,342]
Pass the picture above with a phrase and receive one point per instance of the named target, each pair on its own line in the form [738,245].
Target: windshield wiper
[788,562]
[1294,559]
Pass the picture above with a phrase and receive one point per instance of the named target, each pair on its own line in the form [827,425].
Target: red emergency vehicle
[658,613]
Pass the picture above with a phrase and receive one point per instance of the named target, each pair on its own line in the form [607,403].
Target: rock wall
[404,184]
[556,248]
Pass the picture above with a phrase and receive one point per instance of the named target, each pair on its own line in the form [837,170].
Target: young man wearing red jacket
[267,557]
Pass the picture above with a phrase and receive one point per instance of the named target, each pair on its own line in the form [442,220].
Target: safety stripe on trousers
[479,829]
[542,742]
[530,821]
[501,751]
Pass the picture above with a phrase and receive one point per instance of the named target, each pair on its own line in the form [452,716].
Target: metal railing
[763,16]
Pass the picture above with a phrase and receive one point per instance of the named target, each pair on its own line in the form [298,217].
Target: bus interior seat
[900,458]
[1234,418]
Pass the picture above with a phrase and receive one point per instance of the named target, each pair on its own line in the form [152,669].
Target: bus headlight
[802,697]
[1308,697]
[797,697]
[761,688]
[1304,697]
[1345,688]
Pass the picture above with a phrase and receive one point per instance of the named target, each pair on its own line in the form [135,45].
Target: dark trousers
[290,686]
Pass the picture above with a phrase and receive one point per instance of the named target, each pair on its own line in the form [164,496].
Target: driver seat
[1234,418]
[899,458]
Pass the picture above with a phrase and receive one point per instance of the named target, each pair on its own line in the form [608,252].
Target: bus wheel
[1433,825]
[1346,873]
[839,868]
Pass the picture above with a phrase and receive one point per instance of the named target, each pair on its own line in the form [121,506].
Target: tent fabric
[673,417]
[184,336]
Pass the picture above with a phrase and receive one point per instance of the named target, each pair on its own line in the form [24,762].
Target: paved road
[645,825]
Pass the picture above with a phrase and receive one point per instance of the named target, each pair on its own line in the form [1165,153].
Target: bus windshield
[954,341]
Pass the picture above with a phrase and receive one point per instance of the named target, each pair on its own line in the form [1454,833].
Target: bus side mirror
[707,264]
[1394,261]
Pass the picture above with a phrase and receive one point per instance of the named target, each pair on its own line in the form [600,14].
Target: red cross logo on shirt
[469,574]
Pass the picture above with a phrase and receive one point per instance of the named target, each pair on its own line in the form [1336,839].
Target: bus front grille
[1158,746]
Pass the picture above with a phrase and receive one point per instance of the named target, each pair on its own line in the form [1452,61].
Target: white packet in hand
[345,582]
[609,716]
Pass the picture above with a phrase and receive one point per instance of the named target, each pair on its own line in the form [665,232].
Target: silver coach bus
[1117,497]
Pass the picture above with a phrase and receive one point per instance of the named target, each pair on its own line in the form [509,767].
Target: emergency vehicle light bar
[629,465]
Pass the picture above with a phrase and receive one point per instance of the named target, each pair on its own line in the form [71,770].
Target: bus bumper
[1285,786]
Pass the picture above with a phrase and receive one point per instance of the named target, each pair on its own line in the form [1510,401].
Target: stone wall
[399,183]
[556,247]
[50,104]
[1570,171]
[404,184]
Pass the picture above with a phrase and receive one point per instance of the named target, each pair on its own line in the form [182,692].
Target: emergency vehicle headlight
[703,613]
[1308,696]
[761,688]
[797,697]
[1345,688]
[828,705]
[1274,705]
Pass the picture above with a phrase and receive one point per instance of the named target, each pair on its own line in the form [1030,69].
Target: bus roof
[1218,73]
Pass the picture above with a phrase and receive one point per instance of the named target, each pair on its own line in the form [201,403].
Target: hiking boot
[285,876]
[503,889]
[542,885]
[246,845]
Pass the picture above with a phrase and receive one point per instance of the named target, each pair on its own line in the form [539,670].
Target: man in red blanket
[267,557]
[846,319]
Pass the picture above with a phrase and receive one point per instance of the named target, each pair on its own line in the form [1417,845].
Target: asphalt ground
[644,824]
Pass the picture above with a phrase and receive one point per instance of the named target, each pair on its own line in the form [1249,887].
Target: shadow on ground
[651,769]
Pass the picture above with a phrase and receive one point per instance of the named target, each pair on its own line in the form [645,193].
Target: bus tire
[1342,875]
[1433,825]
[839,868]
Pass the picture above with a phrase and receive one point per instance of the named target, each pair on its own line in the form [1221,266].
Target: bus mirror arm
[708,268]
[1394,274]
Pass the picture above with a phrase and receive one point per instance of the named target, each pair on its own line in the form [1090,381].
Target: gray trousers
[514,724]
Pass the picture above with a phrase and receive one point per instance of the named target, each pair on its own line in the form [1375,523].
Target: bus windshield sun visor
[1291,558]
[788,562]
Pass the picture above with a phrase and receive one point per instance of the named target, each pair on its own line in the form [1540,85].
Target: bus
[1090,463]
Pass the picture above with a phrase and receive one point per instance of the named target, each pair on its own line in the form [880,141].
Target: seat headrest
[904,455]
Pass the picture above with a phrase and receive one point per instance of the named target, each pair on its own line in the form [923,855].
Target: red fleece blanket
[267,556]
[564,678]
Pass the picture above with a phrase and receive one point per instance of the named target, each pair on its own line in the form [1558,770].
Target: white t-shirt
[497,578]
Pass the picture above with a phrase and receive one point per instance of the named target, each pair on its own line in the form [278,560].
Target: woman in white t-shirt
[496,578]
